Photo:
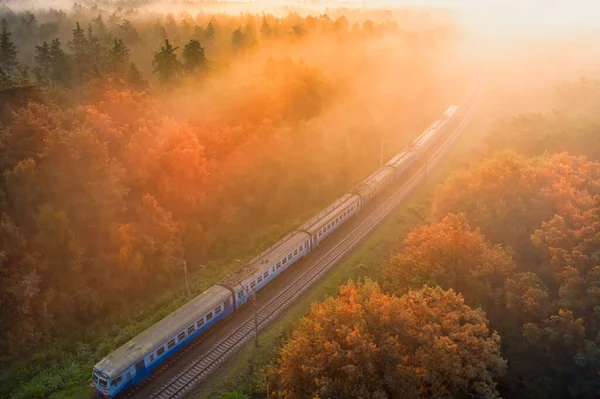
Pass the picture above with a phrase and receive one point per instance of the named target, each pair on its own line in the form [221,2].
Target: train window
[300,248]
[171,343]
[320,233]
[191,329]
[218,309]
[337,220]
[252,285]
[278,265]
[239,294]
[290,257]
[200,323]
[116,381]
[306,244]
[181,336]
[95,377]
[160,351]
[103,383]
[266,274]
[284,261]
[328,226]
[151,357]
[259,279]
[209,316]
[295,252]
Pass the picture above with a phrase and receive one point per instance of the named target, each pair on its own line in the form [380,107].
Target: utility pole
[381,154]
[187,284]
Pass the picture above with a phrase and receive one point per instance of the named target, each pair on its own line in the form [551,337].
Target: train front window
[95,378]
[103,383]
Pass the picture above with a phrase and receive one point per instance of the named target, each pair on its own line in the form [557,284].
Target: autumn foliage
[452,255]
[364,343]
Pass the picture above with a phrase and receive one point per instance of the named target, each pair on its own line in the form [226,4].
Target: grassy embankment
[244,373]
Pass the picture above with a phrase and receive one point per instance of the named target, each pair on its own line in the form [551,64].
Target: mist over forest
[139,135]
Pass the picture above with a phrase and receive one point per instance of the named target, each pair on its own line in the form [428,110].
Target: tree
[265,29]
[134,77]
[527,297]
[44,60]
[238,39]
[364,343]
[166,65]
[193,56]
[79,47]
[209,33]
[129,33]
[61,64]
[452,255]
[8,50]
[118,57]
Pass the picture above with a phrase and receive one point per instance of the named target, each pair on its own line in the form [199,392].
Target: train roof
[141,345]
[265,259]
[399,158]
[326,217]
[451,111]
[374,178]
[338,204]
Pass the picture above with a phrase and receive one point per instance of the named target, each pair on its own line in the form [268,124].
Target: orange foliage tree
[365,343]
[452,255]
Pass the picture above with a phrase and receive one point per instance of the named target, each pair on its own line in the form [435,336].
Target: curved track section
[198,370]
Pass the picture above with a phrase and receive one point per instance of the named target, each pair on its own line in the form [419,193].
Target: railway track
[222,351]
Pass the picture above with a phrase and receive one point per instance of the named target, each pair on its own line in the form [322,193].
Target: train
[134,361]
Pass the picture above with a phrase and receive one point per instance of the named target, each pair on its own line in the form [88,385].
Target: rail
[187,379]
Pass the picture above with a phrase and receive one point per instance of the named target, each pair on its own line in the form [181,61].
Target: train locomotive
[131,363]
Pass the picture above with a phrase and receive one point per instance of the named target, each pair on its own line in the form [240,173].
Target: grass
[245,372]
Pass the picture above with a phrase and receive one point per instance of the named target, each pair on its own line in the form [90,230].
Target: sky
[495,17]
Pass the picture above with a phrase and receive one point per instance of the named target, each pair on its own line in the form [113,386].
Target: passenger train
[136,359]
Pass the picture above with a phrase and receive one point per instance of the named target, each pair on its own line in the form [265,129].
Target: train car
[401,161]
[265,267]
[373,184]
[451,111]
[133,361]
[426,138]
[322,225]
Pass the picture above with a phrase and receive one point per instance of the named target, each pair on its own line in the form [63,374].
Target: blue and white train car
[430,135]
[401,161]
[373,184]
[332,217]
[133,361]
[259,271]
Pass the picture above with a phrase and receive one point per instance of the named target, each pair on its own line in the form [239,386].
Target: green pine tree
[166,65]
[193,56]
[8,51]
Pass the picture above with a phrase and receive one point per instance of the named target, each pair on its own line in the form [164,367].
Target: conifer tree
[193,56]
[135,78]
[8,50]
[166,65]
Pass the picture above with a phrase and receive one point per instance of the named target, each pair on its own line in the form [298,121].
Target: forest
[495,294]
[134,141]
